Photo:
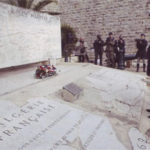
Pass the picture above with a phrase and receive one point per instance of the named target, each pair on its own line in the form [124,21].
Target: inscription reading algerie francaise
[42,124]
[31,113]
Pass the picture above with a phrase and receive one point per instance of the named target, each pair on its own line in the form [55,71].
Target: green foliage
[43,3]
[22,3]
[69,39]
[29,4]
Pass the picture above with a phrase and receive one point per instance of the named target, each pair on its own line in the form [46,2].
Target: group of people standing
[115,51]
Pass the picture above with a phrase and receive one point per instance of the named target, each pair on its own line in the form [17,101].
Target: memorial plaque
[71,92]
[42,124]
[73,89]
[27,36]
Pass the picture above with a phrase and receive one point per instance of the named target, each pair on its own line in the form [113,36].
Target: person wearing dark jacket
[148,110]
[148,63]
[120,51]
[141,45]
[98,47]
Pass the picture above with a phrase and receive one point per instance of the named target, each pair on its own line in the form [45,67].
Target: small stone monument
[71,92]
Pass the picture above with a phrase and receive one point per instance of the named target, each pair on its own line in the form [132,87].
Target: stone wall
[91,17]
[27,36]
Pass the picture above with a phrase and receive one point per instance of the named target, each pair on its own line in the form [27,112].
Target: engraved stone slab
[71,92]
[120,91]
[42,124]
[27,36]
[139,142]
[73,89]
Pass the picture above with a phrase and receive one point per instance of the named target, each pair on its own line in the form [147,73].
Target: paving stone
[138,140]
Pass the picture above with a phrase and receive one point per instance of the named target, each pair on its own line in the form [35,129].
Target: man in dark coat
[98,47]
[148,64]
[141,53]
[120,51]
[148,110]
[110,50]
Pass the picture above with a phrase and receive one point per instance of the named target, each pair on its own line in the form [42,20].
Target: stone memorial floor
[49,125]
[109,114]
